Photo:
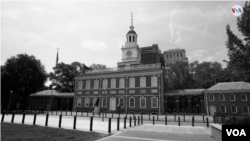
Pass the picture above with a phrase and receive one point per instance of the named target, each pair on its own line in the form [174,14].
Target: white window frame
[230,97]
[131,102]
[210,96]
[103,102]
[122,83]
[153,101]
[225,109]
[154,82]
[94,100]
[241,97]
[131,82]
[247,108]
[79,102]
[223,97]
[88,83]
[142,81]
[113,83]
[96,84]
[80,85]
[141,102]
[235,108]
[105,83]
[86,100]
[122,99]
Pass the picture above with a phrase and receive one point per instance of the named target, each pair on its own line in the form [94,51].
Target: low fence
[231,118]
[133,120]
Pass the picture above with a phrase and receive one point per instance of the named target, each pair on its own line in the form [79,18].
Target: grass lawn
[20,132]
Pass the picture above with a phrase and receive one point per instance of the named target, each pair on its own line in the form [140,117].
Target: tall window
[104,102]
[154,102]
[142,81]
[122,83]
[131,102]
[221,97]
[133,38]
[243,97]
[113,83]
[211,97]
[181,54]
[86,102]
[79,102]
[232,97]
[79,85]
[143,102]
[122,102]
[223,109]
[105,83]
[96,84]
[245,109]
[153,81]
[131,82]
[234,109]
[94,101]
[88,84]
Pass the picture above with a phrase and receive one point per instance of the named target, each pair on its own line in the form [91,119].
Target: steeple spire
[131,27]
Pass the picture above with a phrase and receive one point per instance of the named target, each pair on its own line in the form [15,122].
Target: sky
[93,32]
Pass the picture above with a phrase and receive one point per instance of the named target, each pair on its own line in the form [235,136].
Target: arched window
[196,104]
[183,104]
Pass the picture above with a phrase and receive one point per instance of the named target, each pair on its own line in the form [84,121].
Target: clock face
[129,53]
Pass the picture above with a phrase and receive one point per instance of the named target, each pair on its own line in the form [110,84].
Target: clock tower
[131,54]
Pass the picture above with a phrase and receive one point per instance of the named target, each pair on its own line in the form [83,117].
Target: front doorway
[112,104]
[212,109]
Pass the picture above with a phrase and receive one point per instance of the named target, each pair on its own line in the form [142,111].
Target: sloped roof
[49,93]
[184,92]
[227,86]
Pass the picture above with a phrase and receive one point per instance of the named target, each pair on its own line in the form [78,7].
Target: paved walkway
[147,131]
[162,132]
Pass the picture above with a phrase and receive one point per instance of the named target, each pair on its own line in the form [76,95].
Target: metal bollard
[118,123]
[34,121]
[91,123]
[60,121]
[47,118]
[207,123]
[13,116]
[74,126]
[179,122]
[109,128]
[138,120]
[141,119]
[153,120]
[3,116]
[166,122]
[23,118]
[193,122]
[134,121]
[125,119]
[129,121]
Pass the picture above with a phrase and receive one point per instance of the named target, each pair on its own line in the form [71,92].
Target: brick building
[136,85]
[228,97]
[51,100]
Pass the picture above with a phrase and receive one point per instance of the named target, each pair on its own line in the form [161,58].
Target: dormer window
[129,38]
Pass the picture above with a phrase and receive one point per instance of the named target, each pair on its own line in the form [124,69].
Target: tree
[97,66]
[64,74]
[239,49]
[179,76]
[207,74]
[24,75]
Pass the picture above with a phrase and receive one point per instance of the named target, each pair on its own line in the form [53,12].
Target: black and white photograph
[125,70]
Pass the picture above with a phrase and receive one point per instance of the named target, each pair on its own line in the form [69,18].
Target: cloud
[93,45]
[197,55]
[171,22]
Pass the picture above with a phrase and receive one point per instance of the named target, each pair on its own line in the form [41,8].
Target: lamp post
[10,100]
